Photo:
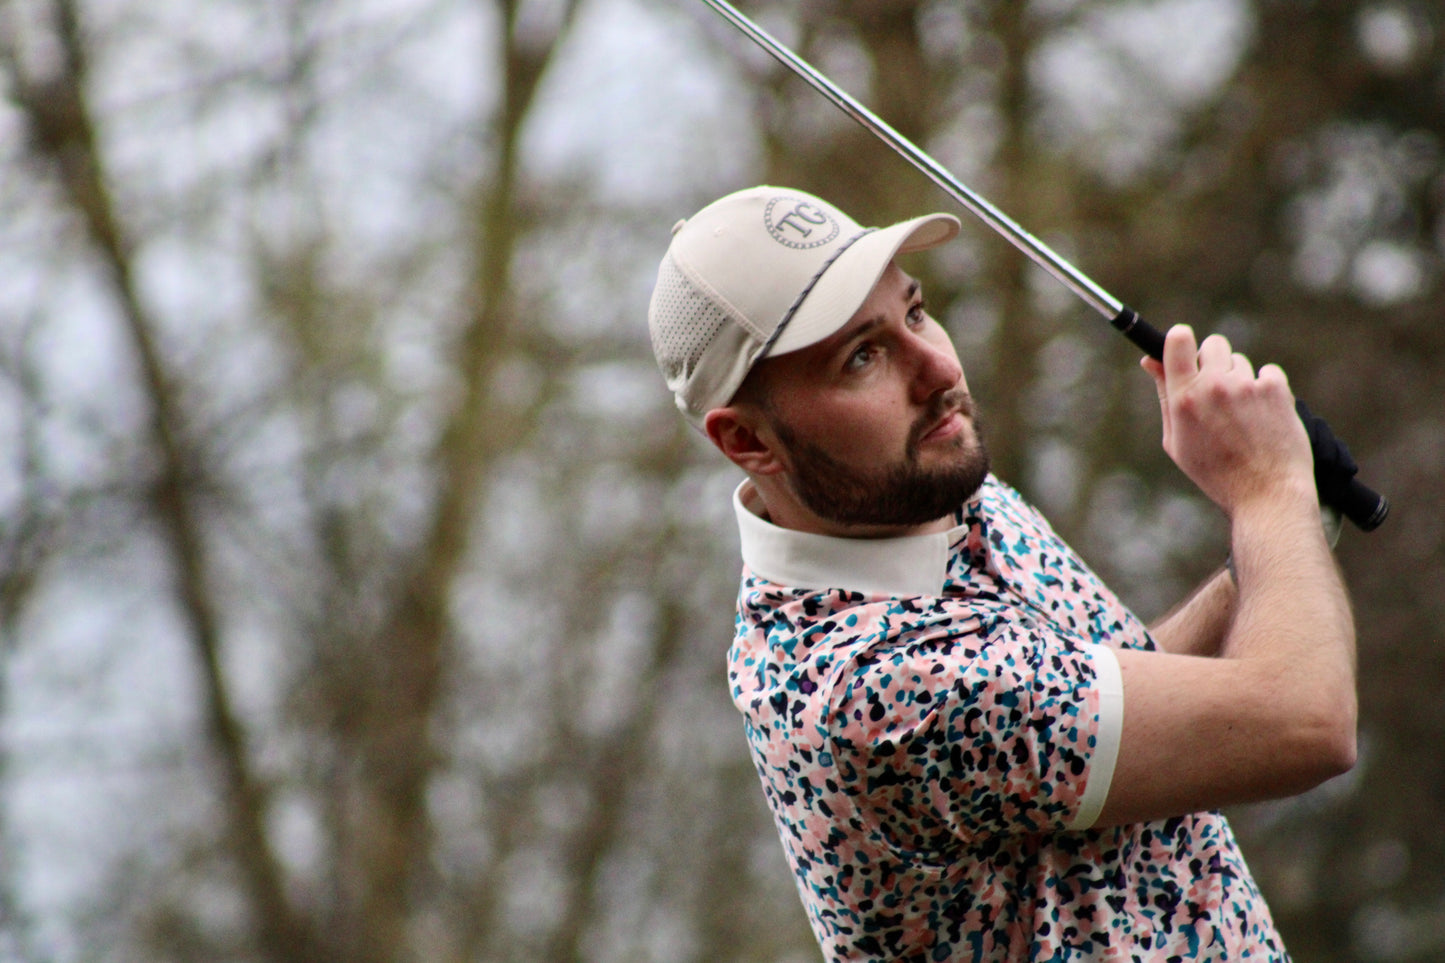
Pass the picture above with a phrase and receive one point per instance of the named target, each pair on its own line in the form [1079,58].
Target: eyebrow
[868,324]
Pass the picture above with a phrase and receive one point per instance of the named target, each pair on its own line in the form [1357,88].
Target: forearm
[1197,625]
[1291,600]
[1293,620]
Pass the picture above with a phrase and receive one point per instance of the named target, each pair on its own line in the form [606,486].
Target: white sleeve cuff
[1106,739]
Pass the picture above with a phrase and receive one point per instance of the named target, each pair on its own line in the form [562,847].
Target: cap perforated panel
[683,322]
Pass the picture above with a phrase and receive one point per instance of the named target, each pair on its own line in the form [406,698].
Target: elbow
[1310,760]
[1331,746]
[1338,756]
[1344,749]
[1314,722]
[1341,749]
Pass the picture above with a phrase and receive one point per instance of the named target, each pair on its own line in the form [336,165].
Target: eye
[860,357]
[917,313]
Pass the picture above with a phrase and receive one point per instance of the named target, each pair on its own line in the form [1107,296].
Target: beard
[901,493]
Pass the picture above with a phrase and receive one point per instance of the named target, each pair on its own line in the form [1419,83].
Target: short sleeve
[960,738]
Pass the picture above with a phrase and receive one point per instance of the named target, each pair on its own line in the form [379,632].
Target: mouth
[956,408]
[950,425]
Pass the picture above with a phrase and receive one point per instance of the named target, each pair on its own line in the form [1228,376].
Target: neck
[782,507]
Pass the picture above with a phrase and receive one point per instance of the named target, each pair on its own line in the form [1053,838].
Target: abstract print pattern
[925,758]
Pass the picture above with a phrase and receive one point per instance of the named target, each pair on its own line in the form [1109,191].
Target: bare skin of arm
[1273,713]
[1197,626]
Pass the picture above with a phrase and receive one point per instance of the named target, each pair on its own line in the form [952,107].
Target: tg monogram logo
[799,224]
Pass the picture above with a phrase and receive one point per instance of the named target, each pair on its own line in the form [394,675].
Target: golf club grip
[1356,501]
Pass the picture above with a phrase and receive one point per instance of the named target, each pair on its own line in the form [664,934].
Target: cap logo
[797,223]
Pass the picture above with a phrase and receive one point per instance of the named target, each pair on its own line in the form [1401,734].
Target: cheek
[857,432]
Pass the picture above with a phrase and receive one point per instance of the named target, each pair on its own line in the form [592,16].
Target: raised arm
[1197,625]
[1274,714]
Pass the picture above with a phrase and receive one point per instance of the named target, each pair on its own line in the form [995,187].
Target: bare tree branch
[62,132]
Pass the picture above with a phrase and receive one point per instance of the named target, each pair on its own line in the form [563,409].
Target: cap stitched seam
[798,302]
[728,308]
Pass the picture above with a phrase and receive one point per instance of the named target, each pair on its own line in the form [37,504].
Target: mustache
[954,399]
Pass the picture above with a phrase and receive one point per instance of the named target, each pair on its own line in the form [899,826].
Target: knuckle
[1273,374]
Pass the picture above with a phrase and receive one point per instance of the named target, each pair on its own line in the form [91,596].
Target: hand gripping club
[1334,468]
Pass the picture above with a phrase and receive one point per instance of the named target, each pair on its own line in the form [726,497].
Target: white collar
[899,567]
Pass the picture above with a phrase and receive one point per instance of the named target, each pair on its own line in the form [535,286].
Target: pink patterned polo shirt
[935,722]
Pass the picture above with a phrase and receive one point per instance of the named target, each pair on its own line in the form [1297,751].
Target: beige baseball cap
[763,272]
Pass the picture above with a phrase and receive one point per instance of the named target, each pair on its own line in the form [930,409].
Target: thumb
[1156,370]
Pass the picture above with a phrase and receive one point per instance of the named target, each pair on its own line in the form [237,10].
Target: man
[972,750]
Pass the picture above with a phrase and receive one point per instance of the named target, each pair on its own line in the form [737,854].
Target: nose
[937,367]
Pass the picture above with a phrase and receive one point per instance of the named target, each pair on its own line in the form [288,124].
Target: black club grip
[1334,468]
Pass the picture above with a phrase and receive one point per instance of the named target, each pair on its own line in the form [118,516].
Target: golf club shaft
[1355,501]
[1099,299]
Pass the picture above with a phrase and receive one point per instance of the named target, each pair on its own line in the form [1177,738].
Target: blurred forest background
[364,599]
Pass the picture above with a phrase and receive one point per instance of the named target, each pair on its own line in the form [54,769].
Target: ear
[738,434]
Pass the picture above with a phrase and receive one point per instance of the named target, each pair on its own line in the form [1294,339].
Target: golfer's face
[880,406]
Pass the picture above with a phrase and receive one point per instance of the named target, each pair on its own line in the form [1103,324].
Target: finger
[1273,372]
[1242,365]
[1215,353]
[1181,353]
[1274,375]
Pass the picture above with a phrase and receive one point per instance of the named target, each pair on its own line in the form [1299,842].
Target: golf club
[1334,468]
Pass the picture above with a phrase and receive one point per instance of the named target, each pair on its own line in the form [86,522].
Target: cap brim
[848,281]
